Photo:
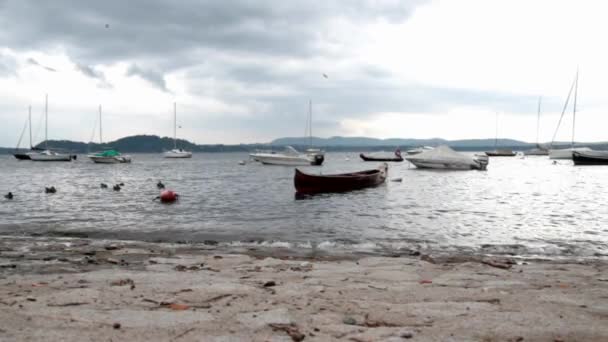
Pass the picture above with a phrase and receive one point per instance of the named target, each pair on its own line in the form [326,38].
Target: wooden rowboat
[307,184]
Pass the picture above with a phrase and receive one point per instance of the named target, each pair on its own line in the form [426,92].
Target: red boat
[396,158]
[307,184]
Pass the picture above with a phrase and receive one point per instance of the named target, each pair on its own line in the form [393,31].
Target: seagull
[50,190]
[9,196]
[160,185]
[116,187]
[325,75]
[107,25]
[104,185]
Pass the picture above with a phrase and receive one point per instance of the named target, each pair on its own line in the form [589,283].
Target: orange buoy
[168,196]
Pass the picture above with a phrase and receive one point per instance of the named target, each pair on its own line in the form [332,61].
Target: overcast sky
[244,71]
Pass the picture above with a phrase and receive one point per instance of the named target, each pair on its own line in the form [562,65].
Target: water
[527,207]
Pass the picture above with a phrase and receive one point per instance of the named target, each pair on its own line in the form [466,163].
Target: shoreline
[80,289]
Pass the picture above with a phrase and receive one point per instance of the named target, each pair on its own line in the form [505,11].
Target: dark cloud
[94,74]
[154,77]
[34,62]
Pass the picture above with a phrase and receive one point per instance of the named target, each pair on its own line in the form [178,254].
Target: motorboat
[396,158]
[109,157]
[290,156]
[417,150]
[590,157]
[566,153]
[309,184]
[537,151]
[443,157]
[176,152]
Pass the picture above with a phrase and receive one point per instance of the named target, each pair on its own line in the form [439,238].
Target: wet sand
[81,290]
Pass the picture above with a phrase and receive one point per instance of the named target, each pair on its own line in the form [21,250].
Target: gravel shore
[88,290]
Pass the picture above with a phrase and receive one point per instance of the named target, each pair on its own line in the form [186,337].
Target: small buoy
[160,185]
[168,196]
[242,162]
[116,187]
[103,185]
[9,196]
[50,190]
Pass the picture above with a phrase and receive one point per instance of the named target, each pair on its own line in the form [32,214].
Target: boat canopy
[108,153]
[444,153]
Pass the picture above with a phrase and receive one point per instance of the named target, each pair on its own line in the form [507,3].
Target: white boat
[110,156]
[176,152]
[289,157]
[47,154]
[566,153]
[443,157]
[417,150]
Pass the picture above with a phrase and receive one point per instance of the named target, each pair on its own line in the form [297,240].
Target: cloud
[34,62]
[94,74]
[153,77]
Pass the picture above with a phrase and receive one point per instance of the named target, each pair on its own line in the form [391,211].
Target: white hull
[536,152]
[566,153]
[178,154]
[422,164]
[50,156]
[110,160]
[277,159]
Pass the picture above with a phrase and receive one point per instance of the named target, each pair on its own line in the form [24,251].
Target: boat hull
[110,160]
[590,158]
[536,152]
[500,153]
[57,157]
[275,159]
[309,184]
[566,153]
[181,155]
[22,156]
[374,159]
[421,164]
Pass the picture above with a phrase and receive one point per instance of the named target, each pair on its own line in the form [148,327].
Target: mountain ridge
[157,144]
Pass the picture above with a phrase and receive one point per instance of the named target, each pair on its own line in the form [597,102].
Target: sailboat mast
[574,107]
[538,119]
[29,111]
[310,123]
[100,130]
[175,125]
[496,136]
[46,122]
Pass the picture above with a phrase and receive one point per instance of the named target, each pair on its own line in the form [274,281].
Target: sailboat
[176,152]
[566,153]
[110,156]
[291,156]
[503,152]
[538,150]
[26,155]
[47,154]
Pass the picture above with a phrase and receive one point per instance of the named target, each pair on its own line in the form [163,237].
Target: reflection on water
[519,206]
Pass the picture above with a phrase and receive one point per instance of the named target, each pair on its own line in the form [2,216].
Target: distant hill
[156,144]
[363,142]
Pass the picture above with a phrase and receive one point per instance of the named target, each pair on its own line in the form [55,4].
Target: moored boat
[443,157]
[590,157]
[176,152]
[49,155]
[417,150]
[109,157]
[396,158]
[566,153]
[308,184]
[289,157]
[500,153]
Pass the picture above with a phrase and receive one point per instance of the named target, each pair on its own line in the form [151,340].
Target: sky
[244,71]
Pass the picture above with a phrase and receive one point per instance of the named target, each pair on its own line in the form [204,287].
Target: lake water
[527,207]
